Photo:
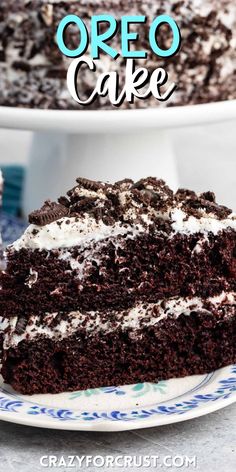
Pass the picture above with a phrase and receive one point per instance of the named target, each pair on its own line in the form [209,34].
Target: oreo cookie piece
[21,325]
[64,201]
[209,196]
[89,184]
[50,211]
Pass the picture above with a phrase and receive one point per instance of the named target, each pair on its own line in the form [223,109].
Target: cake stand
[104,145]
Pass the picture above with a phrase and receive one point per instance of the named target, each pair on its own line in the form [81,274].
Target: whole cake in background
[33,70]
[117,284]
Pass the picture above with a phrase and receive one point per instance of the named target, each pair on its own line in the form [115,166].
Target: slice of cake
[117,284]
[33,70]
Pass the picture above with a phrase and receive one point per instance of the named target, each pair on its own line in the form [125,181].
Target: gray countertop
[210,439]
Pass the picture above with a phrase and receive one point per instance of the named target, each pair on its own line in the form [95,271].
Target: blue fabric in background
[13,185]
[11,228]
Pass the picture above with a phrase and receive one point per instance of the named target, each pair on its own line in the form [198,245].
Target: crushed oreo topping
[21,325]
[128,202]
[123,201]
[210,196]
[89,184]
[50,211]
[64,201]
[124,184]
[184,194]
[46,12]
[195,205]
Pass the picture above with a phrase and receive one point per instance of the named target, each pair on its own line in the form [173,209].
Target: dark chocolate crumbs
[21,325]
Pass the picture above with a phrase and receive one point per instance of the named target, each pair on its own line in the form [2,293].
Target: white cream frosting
[137,317]
[208,223]
[69,232]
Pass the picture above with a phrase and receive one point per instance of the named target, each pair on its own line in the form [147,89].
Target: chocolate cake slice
[119,283]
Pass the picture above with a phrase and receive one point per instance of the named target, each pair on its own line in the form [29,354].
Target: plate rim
[121,425]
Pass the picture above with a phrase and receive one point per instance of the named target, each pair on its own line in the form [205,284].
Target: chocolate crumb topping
[129,202]
[84,205]
[21,325]
[184,194]
[89,184]
[148,197]
[195,205]
[210,196]
[64,201]
[124,184]
[50,211]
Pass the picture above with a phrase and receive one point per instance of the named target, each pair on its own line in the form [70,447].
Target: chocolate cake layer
[198,340]
[33,70]
[118,272]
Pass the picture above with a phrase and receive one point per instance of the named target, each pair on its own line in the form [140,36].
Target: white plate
[105,121]
[123,408]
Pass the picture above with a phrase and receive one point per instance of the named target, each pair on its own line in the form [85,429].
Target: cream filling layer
[142,315]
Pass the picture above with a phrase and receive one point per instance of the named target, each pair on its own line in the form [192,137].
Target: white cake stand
[104,145]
